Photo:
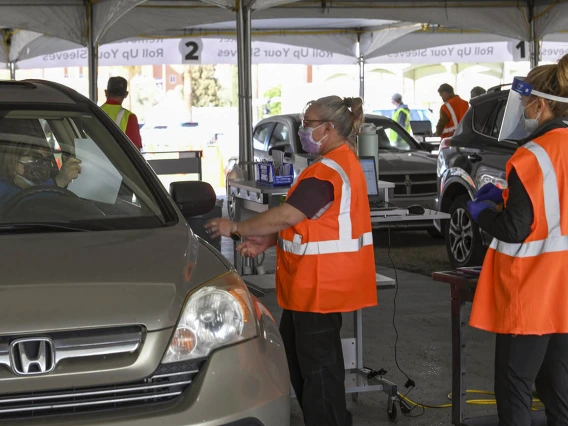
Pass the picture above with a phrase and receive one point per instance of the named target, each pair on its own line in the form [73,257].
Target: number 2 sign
[190,50]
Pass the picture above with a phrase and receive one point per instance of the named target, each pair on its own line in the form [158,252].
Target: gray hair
[346,115]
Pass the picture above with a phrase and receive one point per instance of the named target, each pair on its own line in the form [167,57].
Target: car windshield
[415,114]
[63,170]
[392,137]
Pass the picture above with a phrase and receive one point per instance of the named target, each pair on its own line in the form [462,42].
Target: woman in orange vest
[325,257]
[522,293]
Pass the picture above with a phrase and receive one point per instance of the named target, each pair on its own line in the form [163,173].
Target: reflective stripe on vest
[454,118]
[326,247]
[345,244]
[119,116]
[555,241]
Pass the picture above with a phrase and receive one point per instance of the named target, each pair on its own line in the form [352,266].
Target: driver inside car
[24,165]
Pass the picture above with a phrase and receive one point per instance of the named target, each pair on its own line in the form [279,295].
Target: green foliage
[204,86]
[273,95]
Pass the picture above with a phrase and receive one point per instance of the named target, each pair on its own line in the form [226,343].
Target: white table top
[385,184]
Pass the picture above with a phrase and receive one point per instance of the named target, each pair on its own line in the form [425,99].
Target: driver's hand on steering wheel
[69,171]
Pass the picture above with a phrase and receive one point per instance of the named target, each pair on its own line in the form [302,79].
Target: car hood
[55,281]
[406,162]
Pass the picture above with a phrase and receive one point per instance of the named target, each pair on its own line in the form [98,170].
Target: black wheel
[392,412]
[463,238]
[434,233]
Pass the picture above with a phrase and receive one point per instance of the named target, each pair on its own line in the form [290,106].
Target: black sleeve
[311,196]
[512,224]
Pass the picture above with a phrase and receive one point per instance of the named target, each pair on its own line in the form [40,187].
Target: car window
[280,136]
[260,134]
[393,137]
[65,167]
[484,115]
[499,120]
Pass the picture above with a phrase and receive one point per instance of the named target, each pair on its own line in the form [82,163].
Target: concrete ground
[424,335]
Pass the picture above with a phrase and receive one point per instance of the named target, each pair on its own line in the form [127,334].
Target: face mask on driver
[36,170]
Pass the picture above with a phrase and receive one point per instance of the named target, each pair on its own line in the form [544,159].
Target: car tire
[462,235]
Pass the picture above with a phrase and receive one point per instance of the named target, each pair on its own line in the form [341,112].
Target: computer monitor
[370,170]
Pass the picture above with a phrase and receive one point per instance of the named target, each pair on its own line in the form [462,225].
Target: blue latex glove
[489,192]
[476,207]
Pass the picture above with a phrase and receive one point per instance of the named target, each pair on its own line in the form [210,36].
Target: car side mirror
[193,198]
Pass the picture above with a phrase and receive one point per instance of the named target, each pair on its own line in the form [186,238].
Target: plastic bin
[264,173]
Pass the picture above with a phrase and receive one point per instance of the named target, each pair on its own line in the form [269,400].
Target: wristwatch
[235,236]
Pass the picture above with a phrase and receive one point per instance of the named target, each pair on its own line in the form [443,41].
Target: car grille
[167,383]
[413,184]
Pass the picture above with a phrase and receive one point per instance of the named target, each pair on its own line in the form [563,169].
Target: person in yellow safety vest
[522,291]
[115,94]
[324,254]
[401,116]
[451,112]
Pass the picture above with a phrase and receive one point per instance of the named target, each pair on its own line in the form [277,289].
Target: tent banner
[186,51]
[474,52]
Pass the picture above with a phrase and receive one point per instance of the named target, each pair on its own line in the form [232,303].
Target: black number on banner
[522,47]
[192,55]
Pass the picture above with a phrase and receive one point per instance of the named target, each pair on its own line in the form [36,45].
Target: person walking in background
[451,112]
[402,112]
[115,93]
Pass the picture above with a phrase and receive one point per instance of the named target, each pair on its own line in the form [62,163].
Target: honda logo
[32,356]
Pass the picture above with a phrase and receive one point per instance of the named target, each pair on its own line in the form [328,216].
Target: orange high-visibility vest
[455,109]
[327,264]
[523,288]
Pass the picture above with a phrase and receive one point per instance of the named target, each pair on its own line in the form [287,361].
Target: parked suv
[468,160]
[112,310]
[402,160]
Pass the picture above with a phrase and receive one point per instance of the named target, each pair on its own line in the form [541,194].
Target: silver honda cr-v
[111,310]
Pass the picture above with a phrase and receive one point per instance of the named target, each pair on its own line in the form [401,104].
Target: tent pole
[245,88]
[361,66]
[534,44]
[12,67]
[93,53]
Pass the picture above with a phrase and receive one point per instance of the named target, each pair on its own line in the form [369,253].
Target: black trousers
[524,360]
[317,372]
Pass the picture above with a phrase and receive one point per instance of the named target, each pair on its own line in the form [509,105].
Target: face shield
[513,124]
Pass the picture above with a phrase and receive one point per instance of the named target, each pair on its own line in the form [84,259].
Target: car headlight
[217,314]
[487,175]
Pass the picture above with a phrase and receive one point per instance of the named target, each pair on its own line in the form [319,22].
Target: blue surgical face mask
[531,124]
[308,143]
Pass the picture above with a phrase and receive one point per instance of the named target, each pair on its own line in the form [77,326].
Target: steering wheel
[29,192]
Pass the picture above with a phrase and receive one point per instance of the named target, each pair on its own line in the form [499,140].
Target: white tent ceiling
[382,26]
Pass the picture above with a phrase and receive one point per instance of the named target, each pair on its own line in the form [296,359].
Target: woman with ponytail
[325,261]
[522,293]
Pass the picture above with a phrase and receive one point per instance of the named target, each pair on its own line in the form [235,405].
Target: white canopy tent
[90,23]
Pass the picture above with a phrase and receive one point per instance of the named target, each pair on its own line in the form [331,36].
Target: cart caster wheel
[404,409]
[355,397]
[392,413]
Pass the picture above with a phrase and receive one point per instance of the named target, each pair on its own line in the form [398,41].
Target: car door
[260,140]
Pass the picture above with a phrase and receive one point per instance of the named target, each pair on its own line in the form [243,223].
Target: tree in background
[204,86]
[273,105]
